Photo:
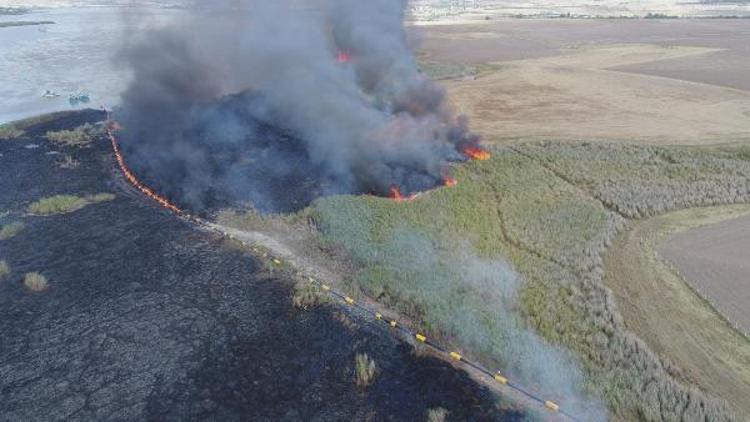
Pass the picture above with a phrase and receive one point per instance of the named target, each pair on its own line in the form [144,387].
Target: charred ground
[146,318]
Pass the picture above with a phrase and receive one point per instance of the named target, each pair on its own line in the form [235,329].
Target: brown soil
[715,260]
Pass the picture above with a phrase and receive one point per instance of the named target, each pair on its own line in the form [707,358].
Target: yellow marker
[348,300]
[455,355]
[501,379]
[420,337]
[393,324]
[326,287]
[378,316]
[276,261]
[552,406]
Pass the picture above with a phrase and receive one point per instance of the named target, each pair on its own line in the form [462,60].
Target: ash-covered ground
[147,318]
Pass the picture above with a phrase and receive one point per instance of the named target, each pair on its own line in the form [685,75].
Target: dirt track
[715,260]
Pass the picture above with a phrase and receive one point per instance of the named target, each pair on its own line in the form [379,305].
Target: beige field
[678,82]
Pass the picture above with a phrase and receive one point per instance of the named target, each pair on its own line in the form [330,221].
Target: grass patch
[35,282]
[365,370]
[4,269]
[62,204]
[437,414]
[10,131]
[11,230]
[80,137]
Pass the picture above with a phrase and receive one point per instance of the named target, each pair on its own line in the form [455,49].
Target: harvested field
[715,261]
[616,80]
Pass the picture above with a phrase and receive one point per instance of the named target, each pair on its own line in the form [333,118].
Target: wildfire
[343,57]
[449,181]
[137,183]
[476,153]
[398,197]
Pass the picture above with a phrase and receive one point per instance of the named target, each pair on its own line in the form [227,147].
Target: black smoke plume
[278,102]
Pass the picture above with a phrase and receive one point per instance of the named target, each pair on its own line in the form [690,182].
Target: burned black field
[147,317]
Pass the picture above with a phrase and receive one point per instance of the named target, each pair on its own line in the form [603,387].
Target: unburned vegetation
[80,137]
[365,370]
[35,282]
[11,230]
[551,211]
[62,204]
[4,269]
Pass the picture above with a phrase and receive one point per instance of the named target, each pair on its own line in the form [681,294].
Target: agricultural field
[635,81]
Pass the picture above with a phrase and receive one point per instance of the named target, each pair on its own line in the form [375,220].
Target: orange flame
[343,57]
[398,197]
[449,181]
[476,153]
[134,180]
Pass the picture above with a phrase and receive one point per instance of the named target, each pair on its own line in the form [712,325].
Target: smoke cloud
[243,99]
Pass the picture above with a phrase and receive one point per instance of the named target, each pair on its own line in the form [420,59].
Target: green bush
[61,204]
[11,230]
[35,282]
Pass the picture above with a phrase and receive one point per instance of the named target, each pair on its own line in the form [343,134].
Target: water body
[75,54]
[147,318]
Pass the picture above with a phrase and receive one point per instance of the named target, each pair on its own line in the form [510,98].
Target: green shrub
[35,282]
[4,269]
[365,370]
[61,204]
[11,230]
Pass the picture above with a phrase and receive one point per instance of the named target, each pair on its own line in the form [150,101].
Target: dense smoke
[333,80]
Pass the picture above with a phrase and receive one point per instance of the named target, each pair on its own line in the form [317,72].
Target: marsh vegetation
[62,204]
[551,211]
